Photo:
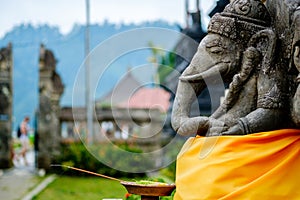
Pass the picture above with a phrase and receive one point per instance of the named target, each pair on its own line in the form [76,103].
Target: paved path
[16,182]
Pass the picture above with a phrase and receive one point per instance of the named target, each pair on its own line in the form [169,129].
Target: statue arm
[191,83]
[186,94]
[270,113]
[261,119]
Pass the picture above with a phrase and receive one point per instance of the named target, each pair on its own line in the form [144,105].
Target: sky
[65,13]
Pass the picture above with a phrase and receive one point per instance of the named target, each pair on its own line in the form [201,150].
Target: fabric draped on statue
[257,166]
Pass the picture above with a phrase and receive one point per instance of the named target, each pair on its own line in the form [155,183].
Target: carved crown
[240,20]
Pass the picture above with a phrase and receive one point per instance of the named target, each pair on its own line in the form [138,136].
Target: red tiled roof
[148,98]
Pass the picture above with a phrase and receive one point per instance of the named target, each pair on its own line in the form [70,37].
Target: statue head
[229,34]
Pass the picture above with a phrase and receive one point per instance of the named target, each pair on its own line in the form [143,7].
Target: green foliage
[104,105]
[128,148]
[76,155]
[172,151]
[123,156]
[169,171]
[165,61]
[166,66]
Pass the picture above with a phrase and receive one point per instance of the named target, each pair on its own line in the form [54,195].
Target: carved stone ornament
[296,62]
[240,20]
[242,50]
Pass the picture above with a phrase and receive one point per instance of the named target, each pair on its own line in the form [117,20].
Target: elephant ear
[265,42]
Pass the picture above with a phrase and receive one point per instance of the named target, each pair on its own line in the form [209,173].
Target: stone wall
[50,91]
[6,91]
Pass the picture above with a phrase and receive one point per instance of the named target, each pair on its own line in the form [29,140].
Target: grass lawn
[87,188]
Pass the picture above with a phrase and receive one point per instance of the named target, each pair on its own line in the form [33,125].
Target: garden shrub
[76,155]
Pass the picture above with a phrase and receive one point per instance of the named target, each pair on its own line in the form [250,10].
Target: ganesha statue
[248,148]
[240,47]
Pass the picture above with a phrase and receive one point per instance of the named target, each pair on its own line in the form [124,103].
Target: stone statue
[296,61]
[240,48]
[254,47]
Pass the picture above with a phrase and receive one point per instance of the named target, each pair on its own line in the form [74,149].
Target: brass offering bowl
[149,191]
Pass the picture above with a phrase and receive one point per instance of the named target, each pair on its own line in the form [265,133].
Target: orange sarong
[258,166]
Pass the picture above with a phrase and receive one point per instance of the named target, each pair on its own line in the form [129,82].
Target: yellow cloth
[258,166]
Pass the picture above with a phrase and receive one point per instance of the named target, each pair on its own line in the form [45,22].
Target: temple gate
[6,93]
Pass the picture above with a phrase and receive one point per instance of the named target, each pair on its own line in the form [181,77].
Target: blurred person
[24,139]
